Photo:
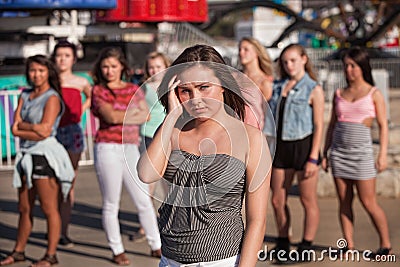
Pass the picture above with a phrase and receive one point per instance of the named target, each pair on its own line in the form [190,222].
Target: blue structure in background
[57,4]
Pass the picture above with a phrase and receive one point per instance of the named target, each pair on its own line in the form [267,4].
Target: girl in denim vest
[298,107]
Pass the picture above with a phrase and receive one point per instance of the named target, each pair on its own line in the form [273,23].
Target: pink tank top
[356,111]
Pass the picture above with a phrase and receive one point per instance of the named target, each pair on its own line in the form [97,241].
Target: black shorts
[41,167]
[292,154]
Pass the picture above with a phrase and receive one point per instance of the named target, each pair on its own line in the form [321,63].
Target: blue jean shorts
[71,137]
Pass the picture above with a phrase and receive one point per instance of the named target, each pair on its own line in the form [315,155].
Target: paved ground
[91,247]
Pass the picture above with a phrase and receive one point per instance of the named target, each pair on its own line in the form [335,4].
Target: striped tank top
[200,219]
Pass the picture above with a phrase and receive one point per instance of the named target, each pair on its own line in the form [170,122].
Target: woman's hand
[381,163]
[174,105]
[325,163]
[310,169]
[43,129]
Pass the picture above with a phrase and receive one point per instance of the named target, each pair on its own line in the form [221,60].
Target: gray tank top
[32,111]
[200,220]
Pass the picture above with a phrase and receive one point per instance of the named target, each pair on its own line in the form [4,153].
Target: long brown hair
[203,54]
[53,79]
[108,52]
[302,51]
[361,57]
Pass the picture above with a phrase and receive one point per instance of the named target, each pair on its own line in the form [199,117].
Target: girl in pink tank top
[356,111]
[349,143]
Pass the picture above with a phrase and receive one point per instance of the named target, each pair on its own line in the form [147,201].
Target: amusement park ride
[33,26]
[350,22]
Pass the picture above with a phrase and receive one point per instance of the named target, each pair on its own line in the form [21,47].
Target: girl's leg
[139,193]
[281,182]
[26,199]
[367,196]
[48,190]
[344,190]
[309,200]
[109,167]
[66,207]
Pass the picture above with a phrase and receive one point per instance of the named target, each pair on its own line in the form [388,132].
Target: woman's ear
[305,59]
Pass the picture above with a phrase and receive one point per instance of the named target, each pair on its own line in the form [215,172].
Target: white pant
[228,262]
[112,170]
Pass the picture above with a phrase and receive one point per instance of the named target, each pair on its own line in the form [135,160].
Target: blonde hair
[154,55]
[264,61]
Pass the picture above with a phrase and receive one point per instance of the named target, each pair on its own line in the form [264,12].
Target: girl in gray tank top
[42,164]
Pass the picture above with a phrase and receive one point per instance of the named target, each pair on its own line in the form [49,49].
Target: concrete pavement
[91,247]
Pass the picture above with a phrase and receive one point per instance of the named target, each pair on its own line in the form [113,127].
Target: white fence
[10,144]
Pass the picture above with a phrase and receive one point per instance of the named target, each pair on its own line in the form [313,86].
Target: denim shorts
[71,137]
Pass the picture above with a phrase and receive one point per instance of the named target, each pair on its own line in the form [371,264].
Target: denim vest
[297,114]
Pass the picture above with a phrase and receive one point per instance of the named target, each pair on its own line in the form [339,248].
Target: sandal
[121,259]
[14,257]
[46,261]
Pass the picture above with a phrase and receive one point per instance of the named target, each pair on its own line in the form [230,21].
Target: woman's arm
[138,115]
[266,88]
[153,162]
[317,102]
[132,115]
[328,136]
[17,117]
[258,176]
[42,130]
[381,117]
[87,91]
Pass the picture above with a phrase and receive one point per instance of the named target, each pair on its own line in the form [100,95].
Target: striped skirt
[352,155]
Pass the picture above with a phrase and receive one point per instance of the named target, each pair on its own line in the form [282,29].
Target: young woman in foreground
[211,160]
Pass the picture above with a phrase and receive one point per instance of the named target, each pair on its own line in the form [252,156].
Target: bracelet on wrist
[314,161]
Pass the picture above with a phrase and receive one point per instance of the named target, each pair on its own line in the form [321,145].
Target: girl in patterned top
[211,160]
[121,108]
[348,139]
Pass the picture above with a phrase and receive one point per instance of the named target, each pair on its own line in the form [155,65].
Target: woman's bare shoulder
[253,133]
[77,82]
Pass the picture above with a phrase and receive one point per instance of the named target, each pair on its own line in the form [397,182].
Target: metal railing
[10,144]
[173,38]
